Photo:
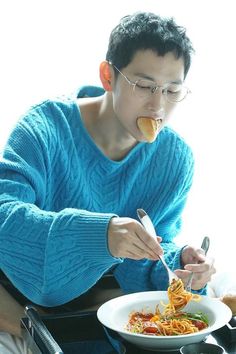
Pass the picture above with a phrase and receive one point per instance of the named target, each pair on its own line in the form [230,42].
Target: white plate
[114,314]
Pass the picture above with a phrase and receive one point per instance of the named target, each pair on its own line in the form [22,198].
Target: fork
[148,225]
[205,246]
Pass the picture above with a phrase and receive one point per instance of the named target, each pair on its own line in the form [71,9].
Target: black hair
[145,30]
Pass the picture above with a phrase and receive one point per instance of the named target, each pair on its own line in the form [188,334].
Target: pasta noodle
[172,321]
[178,297]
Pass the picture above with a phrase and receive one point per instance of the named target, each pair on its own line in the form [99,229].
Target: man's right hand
[127,238]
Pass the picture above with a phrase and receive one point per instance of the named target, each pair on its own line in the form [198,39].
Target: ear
[105,75]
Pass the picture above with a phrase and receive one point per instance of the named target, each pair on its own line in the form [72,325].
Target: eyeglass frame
[155,87]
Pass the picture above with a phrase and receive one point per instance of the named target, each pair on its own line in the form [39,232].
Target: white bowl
[114,314]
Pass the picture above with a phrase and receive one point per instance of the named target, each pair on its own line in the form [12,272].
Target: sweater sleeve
[50,256]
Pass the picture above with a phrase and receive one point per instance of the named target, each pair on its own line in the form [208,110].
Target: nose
[156,102]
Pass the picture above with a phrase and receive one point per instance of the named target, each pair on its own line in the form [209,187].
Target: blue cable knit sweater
[58,192]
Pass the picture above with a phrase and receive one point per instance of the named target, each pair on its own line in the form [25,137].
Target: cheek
[168,111]
[125,106]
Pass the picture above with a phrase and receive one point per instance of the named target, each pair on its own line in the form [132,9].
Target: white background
[51,47]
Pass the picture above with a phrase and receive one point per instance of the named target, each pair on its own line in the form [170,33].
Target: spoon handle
[205,246]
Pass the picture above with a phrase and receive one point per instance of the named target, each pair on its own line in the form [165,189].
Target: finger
[200,267]
[137,253]
[198,282]
[201,257]
[200,279]
[196,268]
[131,244]
[151,242]
[155,252]
[192,255]
[143,249]
[136,245]
[183,274]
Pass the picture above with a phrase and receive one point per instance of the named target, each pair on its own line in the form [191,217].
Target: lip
[157,119]
[152,117]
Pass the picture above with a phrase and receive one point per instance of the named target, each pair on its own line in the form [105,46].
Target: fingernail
[188,268]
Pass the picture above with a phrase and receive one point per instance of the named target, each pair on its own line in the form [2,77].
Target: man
[74,172]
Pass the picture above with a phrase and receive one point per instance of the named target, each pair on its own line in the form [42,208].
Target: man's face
[160,70]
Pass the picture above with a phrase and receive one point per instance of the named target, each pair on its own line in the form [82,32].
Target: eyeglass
[145,88]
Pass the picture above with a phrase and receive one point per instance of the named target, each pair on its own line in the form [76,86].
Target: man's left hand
[194,260]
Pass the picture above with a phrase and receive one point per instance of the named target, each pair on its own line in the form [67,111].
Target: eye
[174,89]
[146,85]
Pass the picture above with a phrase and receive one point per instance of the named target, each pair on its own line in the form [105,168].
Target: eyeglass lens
[173,92]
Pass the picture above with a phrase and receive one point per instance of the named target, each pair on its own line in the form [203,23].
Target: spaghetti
[178,297]
[172,321]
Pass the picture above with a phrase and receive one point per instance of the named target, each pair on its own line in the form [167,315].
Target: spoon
[205,246]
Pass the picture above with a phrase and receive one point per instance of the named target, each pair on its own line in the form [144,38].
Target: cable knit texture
[57,195]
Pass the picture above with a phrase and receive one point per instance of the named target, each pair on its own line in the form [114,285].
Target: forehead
[150,64]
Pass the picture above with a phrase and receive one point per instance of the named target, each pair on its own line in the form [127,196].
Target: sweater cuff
[88,231]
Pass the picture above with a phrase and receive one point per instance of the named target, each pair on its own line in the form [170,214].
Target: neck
[104,127]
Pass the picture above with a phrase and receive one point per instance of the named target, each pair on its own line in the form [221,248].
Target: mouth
[149,127]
